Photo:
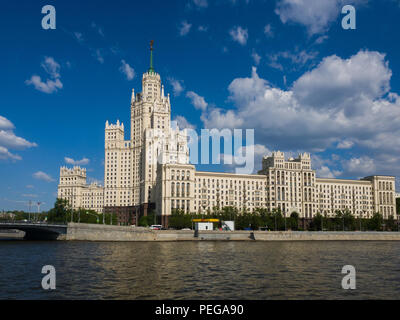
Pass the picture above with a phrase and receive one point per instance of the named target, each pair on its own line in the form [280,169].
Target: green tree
[143,221]
[375,223]
[338,220]
[278,222]
[316,223]
[390,223]
[60,211]
[349,220]
[294,221]
[180,220]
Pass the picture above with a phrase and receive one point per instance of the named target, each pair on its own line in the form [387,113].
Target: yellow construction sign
[205,220]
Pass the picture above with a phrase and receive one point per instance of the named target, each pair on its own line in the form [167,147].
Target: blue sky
[285,68]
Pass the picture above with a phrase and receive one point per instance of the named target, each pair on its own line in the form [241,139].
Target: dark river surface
[200,270]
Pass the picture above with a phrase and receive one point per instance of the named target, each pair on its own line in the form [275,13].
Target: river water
[200,270]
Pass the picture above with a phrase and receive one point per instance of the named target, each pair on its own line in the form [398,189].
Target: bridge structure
[37,230]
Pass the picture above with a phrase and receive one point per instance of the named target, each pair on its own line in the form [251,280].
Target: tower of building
[150,116]
[118,173]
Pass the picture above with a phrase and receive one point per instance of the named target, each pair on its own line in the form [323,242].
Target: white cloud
[345,144]
[200,3]
[219,118]
[321,39]
[239,35]
[256,57]
[177,86]
[197,101]
[97,28]
[297,58]
[40,175]
[6,155]
[83,161]
[325,172]
[98,55]
[202,28]
[360,166]
[8,139]
[338,101]
[51,85]
[127,70]
[234,2]
[79,37]
[51,67]
[323,166]
[244,153]
[315,15]
[364,76]
[268,31]
[184,28]
[183,123]
[6,124]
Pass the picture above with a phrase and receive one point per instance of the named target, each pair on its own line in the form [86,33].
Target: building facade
[288,185]
[73,187]
[152,168]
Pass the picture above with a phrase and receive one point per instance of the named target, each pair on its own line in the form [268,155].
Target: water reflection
[199,270]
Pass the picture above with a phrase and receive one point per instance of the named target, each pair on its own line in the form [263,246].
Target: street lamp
[361,216]
[322,222]
[284,214]
[38,210]
[343,220]
[72,205]
[30,204]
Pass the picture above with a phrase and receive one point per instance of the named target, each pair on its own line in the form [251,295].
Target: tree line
[62,213]
[275,221]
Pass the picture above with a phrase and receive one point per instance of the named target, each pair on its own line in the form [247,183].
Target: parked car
[156,227]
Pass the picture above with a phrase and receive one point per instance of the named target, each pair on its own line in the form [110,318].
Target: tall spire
[151,69]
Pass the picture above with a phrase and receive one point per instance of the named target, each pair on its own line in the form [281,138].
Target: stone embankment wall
[96,232]
[329,236]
